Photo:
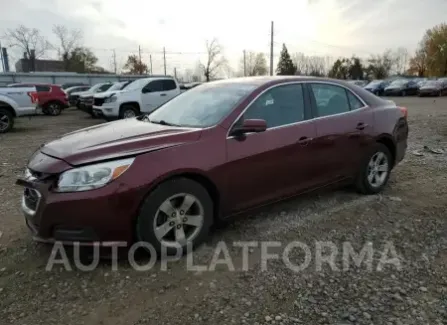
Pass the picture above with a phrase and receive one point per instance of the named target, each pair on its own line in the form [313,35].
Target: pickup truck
[141,96]
[16,102]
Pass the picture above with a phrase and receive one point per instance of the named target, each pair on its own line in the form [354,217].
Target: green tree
[380,66]
[81,60]
[355,69]
[340,69]
[286,67]
[135,66]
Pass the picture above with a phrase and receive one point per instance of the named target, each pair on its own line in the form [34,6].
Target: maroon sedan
[212,152]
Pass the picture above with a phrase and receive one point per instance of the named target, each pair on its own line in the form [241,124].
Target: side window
[354,102]
[278,106]
[153,86]
[169,85]
[330,99]
[41,88]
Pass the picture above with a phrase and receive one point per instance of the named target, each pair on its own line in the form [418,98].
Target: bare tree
[255,64]
[68,39]
[28,40]
[215,60]
[311,65]
[401,58]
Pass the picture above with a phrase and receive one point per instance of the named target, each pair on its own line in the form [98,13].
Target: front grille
[31,198]
[98,101]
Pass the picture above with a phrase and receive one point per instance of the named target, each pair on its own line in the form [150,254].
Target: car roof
[264,82]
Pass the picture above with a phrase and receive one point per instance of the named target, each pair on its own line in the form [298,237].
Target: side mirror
[248,126]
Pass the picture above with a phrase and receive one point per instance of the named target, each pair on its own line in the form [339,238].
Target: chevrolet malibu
[214,151]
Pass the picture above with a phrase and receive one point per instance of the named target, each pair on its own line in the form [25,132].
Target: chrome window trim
[295,123]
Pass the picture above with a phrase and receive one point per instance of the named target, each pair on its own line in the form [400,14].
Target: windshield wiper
[163,122]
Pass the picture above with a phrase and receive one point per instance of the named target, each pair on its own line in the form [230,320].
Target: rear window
[42,88]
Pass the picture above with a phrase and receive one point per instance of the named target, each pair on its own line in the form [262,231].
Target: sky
[315,27]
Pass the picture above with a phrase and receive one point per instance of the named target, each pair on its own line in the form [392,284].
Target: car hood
[429,87]
[394,87]
[87,94]
[107,93]
[117,139]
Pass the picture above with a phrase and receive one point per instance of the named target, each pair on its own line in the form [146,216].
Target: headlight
[110,99]
[93,176]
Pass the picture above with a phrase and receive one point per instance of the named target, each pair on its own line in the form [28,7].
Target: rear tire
[53,109]
[128,111]
[191,224]
[376,167]
[6,120]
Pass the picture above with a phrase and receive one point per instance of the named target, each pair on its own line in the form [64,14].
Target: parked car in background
[432,88]
[99,98]
[402,87]
[141,96]
[72,84]
[72,90]
[210,153]
[16,102]
[51,98]
[100,87]
[377,86]
[360,83]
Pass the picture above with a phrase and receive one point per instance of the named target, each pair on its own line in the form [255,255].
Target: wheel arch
[387,140]
[194,175]
[8,107]
[135,104]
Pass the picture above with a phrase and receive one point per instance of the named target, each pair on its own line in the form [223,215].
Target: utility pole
[271,50]
[175,73]
[114,61]
[245,65]
[139,55]
[150,61]
[164,59]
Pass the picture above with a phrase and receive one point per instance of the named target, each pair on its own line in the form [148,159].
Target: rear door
[278,162]
[151,95]
[344,124]
[43,93]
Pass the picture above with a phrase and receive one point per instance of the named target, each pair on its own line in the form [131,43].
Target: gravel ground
[407,221]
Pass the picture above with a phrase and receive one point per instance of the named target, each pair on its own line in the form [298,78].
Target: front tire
[178,213]
[375,171]
[128,111]
[6,120]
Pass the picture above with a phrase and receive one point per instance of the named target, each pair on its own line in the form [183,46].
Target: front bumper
[110,110]
[428,92]
[99,217]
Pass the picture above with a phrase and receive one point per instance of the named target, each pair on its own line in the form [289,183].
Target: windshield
[117,86]
[399,82]
[431,83]
[96,87]
[137,84]
[375,83]
[202,106]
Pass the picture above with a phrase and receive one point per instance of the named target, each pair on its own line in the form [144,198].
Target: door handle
[304,141]
[361,126]
[162,94]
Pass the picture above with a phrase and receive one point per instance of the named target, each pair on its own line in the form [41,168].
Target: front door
[277,162]
[152,96]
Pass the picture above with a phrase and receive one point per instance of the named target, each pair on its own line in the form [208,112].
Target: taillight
[404,111]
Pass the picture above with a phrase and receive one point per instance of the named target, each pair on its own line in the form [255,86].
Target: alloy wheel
[179,220]
[129,113]
[4,122]
[378,169]
[54,109]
